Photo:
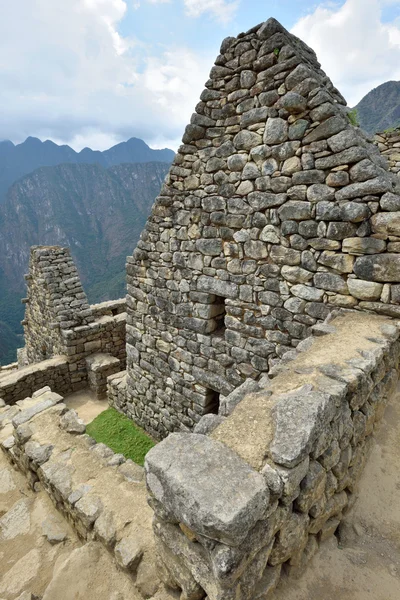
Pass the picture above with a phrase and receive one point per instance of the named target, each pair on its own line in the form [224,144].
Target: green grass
[352,115]
[121,435]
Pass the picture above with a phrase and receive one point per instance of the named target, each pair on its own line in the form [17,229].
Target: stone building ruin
[275,211]
[262,341]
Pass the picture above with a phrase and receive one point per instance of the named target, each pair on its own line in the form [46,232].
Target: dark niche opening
[212,402]
[218,312]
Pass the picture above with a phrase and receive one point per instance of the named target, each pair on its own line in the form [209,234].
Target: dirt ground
[86,404]
[363,562]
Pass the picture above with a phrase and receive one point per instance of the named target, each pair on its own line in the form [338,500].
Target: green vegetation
[121,435]
[276,51]
[352,115]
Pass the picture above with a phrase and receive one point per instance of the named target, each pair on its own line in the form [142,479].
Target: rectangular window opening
[212,402]
[218,312]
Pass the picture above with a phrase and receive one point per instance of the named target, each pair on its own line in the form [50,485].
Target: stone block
[205,485]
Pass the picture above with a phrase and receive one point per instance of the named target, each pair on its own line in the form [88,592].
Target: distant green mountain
[21,159]
[9,341]
[98,212]
[380,108]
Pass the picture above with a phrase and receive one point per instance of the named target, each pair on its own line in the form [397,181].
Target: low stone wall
[273,479]
[106,335]
[116,392]
[7,369]
[100,493]
[68,373]
[110,308]
[24,382]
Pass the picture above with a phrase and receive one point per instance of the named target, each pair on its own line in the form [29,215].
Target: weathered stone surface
[276,131]
[295,210]
[72,423]
[88,509]
[128,553]
[390,202]
[16,521]
[47,400]
[387,223]
[292,102]
[381,268]
[38,453]
[357,246]
[245,140]
[299,419]
[364,290]
[54,530]
[331,282]
[343,263]
[214,286]
[328,128]
[131,471]
[296,274]
[305,292]
[206,486]
[379,185]
[208,423]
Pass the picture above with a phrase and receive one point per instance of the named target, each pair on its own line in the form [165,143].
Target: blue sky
[96,72]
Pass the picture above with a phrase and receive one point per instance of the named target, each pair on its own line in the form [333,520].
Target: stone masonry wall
[270,482]
[388,143]
[20,383]
[60,325]
[55,302]
[275,211]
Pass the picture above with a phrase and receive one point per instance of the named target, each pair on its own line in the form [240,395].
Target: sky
[97,72]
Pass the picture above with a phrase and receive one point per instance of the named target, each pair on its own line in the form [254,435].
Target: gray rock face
[72,423]
[381,268]
[276,131]
[128,553]
[205,485]
[364,290]
[387,223]
[39,454]
[390,202]
[46,401]
[208,423]
[379,185]
[299,419]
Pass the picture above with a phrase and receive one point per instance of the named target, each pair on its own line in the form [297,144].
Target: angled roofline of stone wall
[275,211]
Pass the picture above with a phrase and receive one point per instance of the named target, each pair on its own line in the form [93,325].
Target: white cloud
[69,75]
[356,49]
[222,10]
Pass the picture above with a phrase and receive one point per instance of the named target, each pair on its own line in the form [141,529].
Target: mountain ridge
[98,212]
[17,160]
[380,108]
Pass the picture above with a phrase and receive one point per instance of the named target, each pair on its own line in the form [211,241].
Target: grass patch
[121,435]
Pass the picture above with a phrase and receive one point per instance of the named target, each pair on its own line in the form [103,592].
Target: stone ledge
[205,485]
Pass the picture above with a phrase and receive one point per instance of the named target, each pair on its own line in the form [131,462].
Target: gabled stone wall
[62,331]
[275,211]
[55,302]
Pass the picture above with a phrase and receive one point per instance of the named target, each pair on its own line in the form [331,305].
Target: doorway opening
[212,402]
